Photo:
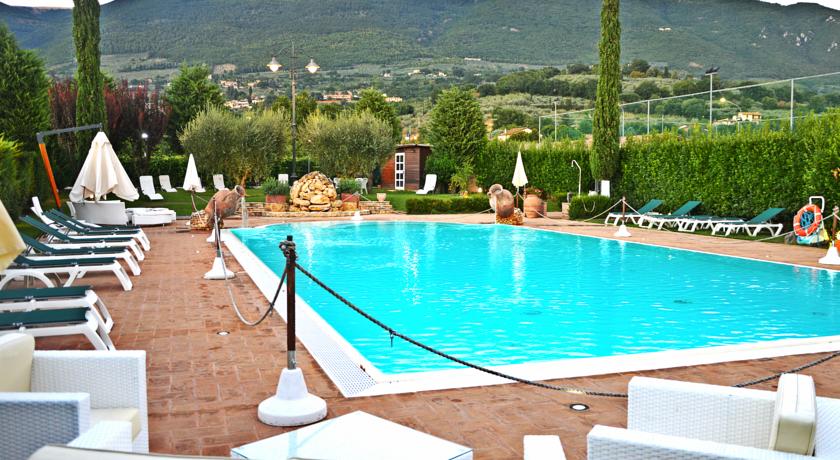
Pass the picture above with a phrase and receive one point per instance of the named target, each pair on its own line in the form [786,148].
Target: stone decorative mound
[314,192]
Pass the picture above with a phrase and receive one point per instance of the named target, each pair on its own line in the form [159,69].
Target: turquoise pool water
[501,295]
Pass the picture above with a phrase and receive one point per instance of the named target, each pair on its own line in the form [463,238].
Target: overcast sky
[69,3]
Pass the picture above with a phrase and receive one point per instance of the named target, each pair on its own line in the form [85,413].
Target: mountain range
[745,38]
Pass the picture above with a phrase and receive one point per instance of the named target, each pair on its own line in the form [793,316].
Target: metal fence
[777,104]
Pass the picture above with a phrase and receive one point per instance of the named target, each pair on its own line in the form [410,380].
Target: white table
[355,436]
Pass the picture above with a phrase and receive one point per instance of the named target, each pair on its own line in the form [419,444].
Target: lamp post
[312,67]
[711,74]
[145,137]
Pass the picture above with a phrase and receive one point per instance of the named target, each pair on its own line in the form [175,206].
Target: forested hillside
[747,38]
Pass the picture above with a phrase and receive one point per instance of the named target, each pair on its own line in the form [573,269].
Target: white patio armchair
[92,399]
[363,184]
[683,420]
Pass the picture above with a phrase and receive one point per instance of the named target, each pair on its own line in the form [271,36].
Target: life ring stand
[808,220]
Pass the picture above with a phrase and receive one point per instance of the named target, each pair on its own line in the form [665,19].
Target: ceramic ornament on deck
[218,272]
[622,232]
[831,256]
[293,405]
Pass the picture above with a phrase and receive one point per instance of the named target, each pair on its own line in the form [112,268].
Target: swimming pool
[500,295]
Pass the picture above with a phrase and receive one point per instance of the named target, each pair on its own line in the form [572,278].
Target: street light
[711,74]
[144,136]
[312,67]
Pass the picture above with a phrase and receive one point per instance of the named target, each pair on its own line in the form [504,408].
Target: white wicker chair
[68,391]
[682,420]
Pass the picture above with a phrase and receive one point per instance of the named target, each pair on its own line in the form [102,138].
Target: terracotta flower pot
[275,198]
[349,198]
[534,206]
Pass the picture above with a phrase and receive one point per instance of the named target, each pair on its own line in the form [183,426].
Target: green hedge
[548,167]
[468,205]
[735,175]
[584,206]
[175,166]
[19,180]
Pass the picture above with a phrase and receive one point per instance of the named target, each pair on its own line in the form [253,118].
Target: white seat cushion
[130,415]
[795,418]
[16,352]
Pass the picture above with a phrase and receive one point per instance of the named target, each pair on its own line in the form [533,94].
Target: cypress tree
[604,157]
[90,101]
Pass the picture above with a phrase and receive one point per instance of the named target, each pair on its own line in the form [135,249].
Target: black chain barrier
[566,389]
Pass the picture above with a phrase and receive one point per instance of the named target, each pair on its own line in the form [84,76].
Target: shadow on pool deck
[204,388]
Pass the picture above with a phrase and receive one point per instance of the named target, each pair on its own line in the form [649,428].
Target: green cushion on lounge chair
[25,262]
[765,216]
[51,231]
[83,224]
[42,248]
[17,319]
[43,293]
[77,227]
[686,208]
[649,206]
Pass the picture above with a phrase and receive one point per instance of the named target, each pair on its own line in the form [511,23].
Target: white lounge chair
[165,184]
[431,182]
[362,181]
[92,399]
[670,419]
[219,182]
[147,186]
[72,268]
[54,235]
[283,178]
[59,222]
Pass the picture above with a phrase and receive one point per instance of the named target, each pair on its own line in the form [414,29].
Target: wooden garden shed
[406,170]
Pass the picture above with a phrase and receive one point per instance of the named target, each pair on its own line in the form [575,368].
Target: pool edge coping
[317,334]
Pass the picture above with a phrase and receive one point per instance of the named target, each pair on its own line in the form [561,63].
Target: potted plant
[381,197]
[275,191]
[348,189]
[535,205]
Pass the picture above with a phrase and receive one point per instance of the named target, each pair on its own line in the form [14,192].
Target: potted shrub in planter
[275,191]
[535,205]
[348,189]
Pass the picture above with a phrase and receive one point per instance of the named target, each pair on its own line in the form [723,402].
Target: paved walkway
[204,388]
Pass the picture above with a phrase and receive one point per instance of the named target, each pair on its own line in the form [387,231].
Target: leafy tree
[133,111]
[190,93]
[605,154]
[350,145]
[647,90]
[456,131]
[90,102]
[371,100]
[24,92]
[507,118]
[575,69]
[237,146]
[694,108]
[638,65]
[305,105]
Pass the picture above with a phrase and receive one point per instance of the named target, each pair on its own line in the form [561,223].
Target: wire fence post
[288,248]
[648,116]
[791,102]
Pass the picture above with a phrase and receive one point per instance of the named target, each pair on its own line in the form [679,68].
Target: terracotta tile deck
[204,388]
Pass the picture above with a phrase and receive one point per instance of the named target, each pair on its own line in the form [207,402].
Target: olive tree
[351,144]
[239,146]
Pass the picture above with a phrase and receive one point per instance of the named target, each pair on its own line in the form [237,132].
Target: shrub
[347,186]
[174,166]
[17,171]
[585,206]
[466,205]
[272,186]
[549,166]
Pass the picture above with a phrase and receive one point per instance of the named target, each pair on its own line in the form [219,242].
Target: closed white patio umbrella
[10,243]
[519,177]
[191,180]
[102,173]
